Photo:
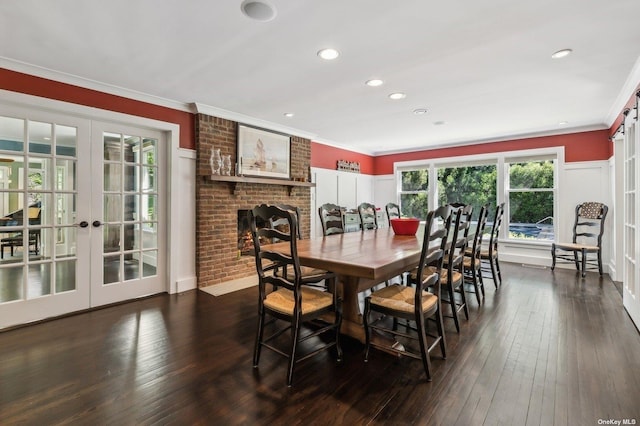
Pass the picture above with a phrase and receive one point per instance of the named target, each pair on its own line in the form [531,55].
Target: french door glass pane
[39,280]
[149,263]
[112,207]
[66,140]
[111,235]
[112,177]
[40,137]
[111,269]
[11,283]
[65,276]
[12,131]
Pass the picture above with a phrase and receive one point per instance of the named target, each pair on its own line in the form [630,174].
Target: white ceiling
[483,67]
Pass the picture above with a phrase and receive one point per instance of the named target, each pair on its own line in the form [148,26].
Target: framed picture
[263,153]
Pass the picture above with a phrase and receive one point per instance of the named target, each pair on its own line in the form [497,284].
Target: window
[414,193]
[475,185]
[526,181]
[530,191]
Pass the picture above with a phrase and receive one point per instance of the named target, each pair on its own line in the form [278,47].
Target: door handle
[83,224]
[96,223]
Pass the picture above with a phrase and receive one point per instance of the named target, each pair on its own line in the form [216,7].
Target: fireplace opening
[245,240]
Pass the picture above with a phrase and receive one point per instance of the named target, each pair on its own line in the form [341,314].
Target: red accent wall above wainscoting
[326,157]
[585,146]
[38,86]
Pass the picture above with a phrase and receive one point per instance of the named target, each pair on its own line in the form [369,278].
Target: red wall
[326,157]
[585,146]
[37,86]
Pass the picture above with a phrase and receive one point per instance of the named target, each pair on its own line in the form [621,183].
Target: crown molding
[86,83]
[199,108]
[627,92]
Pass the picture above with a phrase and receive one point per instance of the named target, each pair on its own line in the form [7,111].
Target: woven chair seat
[402,298]
[467,263]
[575,246]
[313,300]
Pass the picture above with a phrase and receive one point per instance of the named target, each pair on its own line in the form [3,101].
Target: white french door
[128,254]
[631,203]
[82,220]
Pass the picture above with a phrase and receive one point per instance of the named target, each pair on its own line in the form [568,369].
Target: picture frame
[263,153]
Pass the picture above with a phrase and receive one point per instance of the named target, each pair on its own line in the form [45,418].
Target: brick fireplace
[217,203]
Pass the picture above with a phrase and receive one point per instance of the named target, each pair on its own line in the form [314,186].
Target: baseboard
[185,284]
[231,286]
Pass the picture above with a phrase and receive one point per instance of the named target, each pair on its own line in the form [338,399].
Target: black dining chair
[472,256]
[588,228]
[287,298]
[331,219]
[489,255]
[413,302]
[452,275]
[393,211]
[368,216]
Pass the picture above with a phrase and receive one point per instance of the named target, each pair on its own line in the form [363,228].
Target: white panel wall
[184,249]
[342,188]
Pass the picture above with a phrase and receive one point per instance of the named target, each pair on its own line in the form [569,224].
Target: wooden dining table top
[375,255]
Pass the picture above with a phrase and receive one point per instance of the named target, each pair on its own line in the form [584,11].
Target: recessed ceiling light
[288,114]
[258,10]
[397,95]
[438,123]
[328,54]
[374,82]
[563,123]
[420,111]
[561,53]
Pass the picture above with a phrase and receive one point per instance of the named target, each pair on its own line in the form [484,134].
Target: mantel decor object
[263,153]
[215,161]
[226,165]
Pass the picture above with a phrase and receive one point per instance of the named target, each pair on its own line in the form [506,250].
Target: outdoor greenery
[531,206]
[413,199]
[530,186]
[468,185]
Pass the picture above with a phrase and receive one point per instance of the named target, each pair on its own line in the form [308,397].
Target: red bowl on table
[405,225]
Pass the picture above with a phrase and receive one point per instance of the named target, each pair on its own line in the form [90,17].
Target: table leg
[351,315]
[352,323]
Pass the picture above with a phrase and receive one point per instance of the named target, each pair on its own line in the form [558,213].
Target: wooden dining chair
[489,255]
[472,256]
[286,298]
[331,219]
[368,216]
[452,276]
[393,211]
[413,302]
[296,210]
[588,228]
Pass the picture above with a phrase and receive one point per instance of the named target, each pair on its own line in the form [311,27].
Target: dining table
[361,260]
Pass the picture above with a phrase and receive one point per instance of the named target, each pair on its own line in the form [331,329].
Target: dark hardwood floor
[547,348]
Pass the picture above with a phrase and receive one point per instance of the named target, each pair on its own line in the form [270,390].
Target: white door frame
[172,136]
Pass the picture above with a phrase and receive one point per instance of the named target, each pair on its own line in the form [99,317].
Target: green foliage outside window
[474,185]
[414,195]
[535,205]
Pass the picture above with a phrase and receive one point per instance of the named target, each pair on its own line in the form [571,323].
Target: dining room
[134,296]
